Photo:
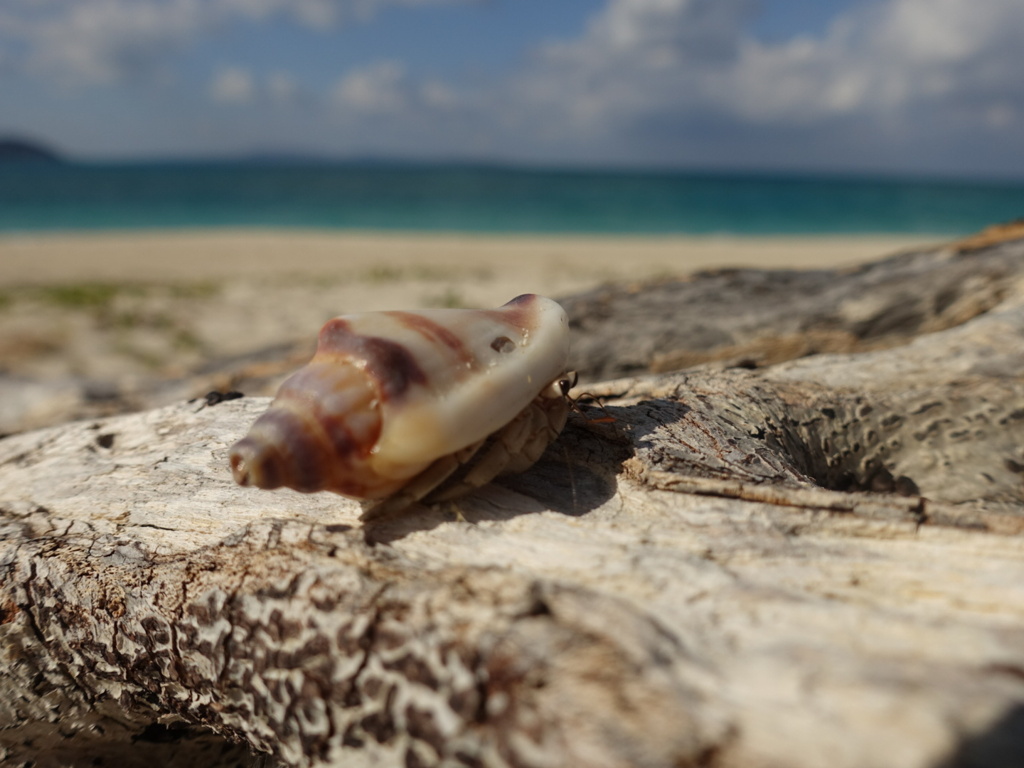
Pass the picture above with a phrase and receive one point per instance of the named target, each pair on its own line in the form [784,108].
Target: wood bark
[759,561]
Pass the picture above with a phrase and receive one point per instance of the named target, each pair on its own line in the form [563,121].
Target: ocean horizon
[41,197]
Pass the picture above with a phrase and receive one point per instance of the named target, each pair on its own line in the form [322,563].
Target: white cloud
[282,88]
[319,14]
[888,58]
[658,33]
[435,93]
[676,80]
[105,40]
[381,87]
[233,85]
[238,85]
[101,40]
[635,57]
[1000,116]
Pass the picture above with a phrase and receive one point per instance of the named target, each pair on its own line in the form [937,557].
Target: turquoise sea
[76,196]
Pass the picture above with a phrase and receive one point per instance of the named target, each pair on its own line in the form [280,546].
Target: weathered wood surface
[747,317]
[818,562]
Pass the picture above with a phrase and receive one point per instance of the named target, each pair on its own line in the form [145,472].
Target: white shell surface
[505,358]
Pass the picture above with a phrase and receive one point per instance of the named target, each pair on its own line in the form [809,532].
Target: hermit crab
[399,407]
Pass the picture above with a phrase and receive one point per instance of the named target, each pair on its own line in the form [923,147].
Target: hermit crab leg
[517,446]
[421,485]
[514,448]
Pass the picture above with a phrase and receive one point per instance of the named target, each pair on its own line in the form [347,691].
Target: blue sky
[896,86]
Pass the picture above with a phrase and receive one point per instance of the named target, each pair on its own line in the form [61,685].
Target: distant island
[21,150]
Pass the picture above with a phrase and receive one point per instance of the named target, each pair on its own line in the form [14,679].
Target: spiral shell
[401,400]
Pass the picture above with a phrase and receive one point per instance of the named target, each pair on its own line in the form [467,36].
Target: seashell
[396,407]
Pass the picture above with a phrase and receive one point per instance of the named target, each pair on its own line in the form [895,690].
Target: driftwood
[752,318]
[814,562]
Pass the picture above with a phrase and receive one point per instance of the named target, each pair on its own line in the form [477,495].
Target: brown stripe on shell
[391,366]
[435,333]
[336,327]
[343,441]
[519,313]
[523,298]
[255,462]
[306,461]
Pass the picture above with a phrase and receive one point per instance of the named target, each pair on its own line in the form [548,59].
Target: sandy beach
[90,321]
[549,263]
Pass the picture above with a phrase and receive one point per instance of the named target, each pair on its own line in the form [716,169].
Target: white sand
[528,263]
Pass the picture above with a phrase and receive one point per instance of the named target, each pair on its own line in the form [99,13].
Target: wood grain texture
[754,318]
[814,562]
